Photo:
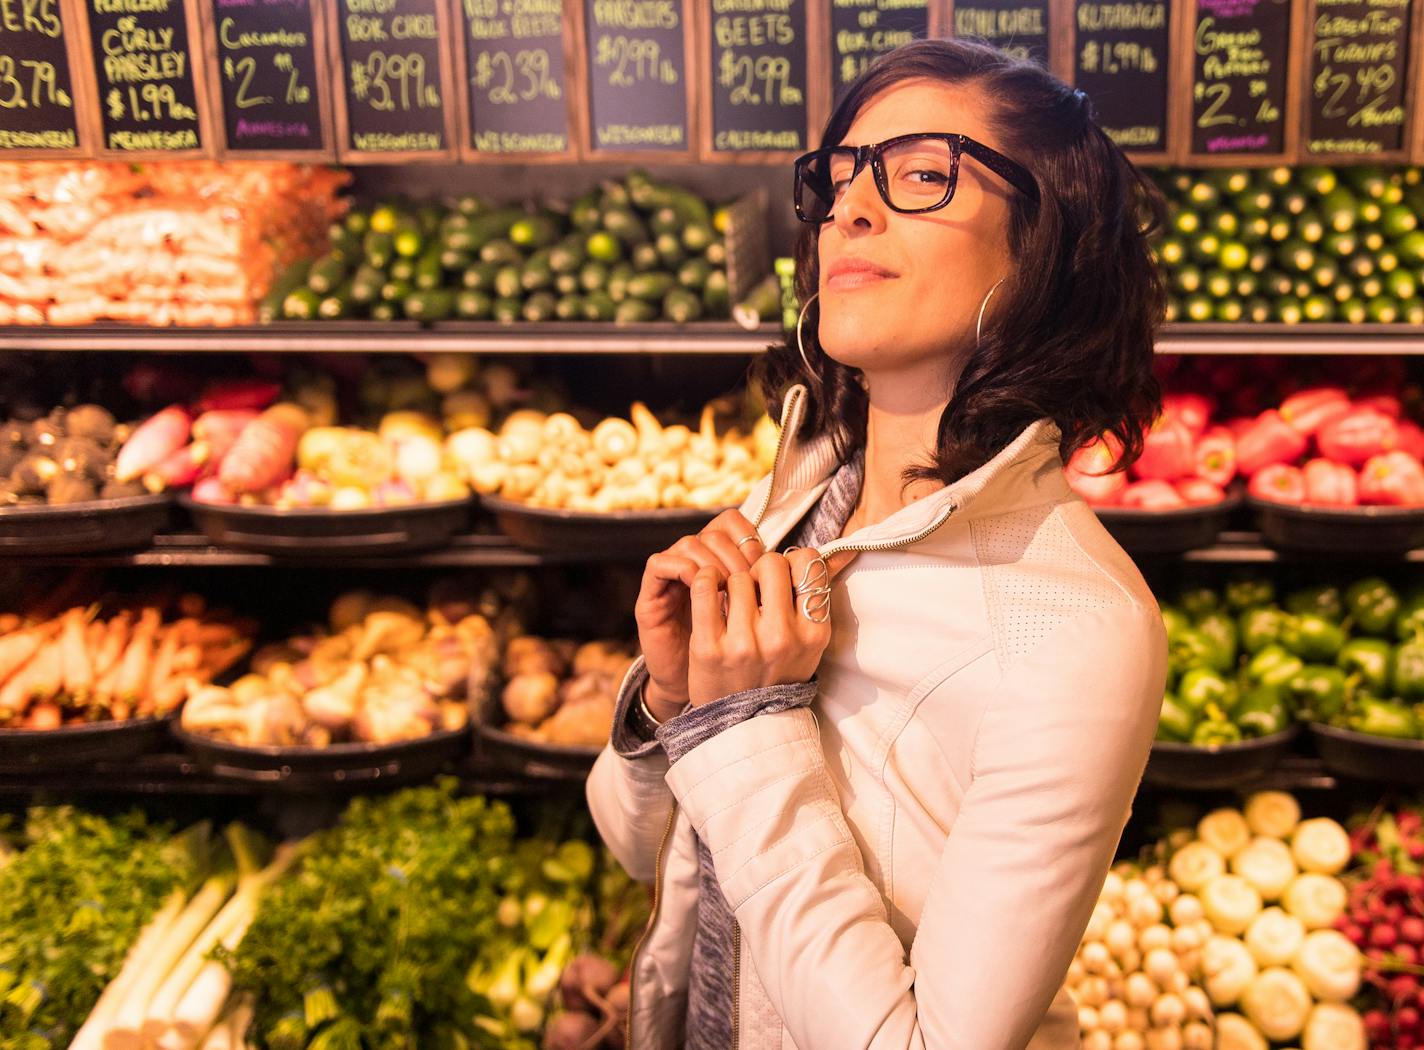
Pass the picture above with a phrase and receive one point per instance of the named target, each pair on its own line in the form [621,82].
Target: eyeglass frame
[1012,172]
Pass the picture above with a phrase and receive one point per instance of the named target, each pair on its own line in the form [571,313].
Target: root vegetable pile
[560,692]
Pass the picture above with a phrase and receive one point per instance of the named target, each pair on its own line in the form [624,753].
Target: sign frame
[71,13]
[574,101]
[1291,113]
[321,85]
[1173,134]
[575,11]
[201,93]
[814,28]
[341,128]
[1060,29]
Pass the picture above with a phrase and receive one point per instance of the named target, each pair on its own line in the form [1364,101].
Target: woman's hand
[664,610]
[757,643]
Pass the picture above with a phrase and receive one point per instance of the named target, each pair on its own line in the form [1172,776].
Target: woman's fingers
[666,567]
[726,551]
[708,626]
[741,607]
[811,587]
[743,534]
[772,573]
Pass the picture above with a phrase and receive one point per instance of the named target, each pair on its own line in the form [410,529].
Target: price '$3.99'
[388,82]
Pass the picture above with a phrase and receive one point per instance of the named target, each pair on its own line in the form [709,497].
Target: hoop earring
[800,344]
[979,325]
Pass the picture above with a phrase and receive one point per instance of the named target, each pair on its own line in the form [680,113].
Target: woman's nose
[860,209]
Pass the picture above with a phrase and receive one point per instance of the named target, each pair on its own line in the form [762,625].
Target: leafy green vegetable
[72,900]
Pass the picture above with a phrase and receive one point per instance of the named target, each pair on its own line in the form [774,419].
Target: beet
[585,975]
[569,1031]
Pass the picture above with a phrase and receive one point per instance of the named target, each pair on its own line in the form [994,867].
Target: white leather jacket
[912,861]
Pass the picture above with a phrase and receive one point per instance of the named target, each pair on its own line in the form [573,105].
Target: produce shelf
[584,338]
[1246,548]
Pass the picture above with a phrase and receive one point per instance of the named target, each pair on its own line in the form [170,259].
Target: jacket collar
[1025,472]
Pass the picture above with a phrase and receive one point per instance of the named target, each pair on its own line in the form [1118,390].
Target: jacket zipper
[836,547]
[652,920]
[736,985]
[787,414]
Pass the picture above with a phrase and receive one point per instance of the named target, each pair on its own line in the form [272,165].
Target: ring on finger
[814,590]
[748,539]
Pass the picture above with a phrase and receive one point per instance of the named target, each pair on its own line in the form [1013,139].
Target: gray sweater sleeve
[627,741]
[681,734]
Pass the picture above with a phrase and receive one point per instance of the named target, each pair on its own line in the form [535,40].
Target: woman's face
[918,318]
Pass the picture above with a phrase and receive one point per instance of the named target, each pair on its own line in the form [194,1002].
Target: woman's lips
[856,279]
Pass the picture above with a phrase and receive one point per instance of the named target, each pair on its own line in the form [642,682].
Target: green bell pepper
[1202,686]
[1318,692]
[1249,592]
[1259,628]
[1175,723]
[1274,666]
[1321,601]
[1261,712]
[1174,620]
[1409,670]
[1196,602]
[1312,636]
[1212,732]
[1190,648]
[1220,630]
[1373,605]
[1370,661]
[1388,718]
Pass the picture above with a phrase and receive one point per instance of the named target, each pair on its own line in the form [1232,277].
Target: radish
[157,438]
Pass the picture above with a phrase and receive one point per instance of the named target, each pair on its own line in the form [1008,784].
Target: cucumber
[593,276]
[669,248]
[481,230]
[624,224]
[681,305]
[568,255]
[501,251]
[480,276]
[454,222]
[395,290]
[366,284]
[539,306]
[665,220]
[455,260]
[584,212]
[716,253]
[597,306]
[379,247]
[613,195]
[715,294]
[327,272]
[537,272]
[384,219]
[696,237]
[693,274]
[434,305]
[534,231]
[428,271]
[384,311]
[641,188]
[617,283]
[469,204]
[566,283]
[604,247]
[569,308]
[357,222]
[650,285]
[337,305]
[428,218]
[508,283]
[292,278]
[342,242]
[506,310]
[300,304]
[472,304]
[690,208]
[634,311]
[401,269]
[645,257]
[409,240]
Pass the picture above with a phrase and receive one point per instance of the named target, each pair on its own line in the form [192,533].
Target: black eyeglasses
[914,173]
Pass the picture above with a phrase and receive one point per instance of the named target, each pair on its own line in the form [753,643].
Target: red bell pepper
[1166,451]
[1193,410]
[1216,456]
[1387,404]
[1090,474]
[1199,492]
[1330,484]
[1269,440]
[1411,438]
[1279,483]
[1394,479]
[1357,435]
[1311,409]
[1153,494]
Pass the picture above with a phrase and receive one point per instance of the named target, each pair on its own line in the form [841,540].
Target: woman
[878,779]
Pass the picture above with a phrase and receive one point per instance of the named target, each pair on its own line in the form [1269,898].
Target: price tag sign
[637,84]
[37,112]
[1357,91]
[394,80]
[517,90]
[1240,55]
[146,79]
[758,76]
[271,81]
[863,30]
[1120,58]
[1015,26]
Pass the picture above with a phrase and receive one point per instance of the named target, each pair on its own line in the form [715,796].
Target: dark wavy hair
[1072,335]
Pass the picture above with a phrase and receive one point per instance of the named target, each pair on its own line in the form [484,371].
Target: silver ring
[748,539]
[814,590]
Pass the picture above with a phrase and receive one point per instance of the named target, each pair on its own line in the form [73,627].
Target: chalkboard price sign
[269,78]
[147,86]
[516,78]
[1121,60]
[758,75]
[393,74]
[1019,27]
[862,30]
[1240,52]
[637,91]
[36,95]
[1359,58]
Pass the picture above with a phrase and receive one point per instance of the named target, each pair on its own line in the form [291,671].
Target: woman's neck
[902,431]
